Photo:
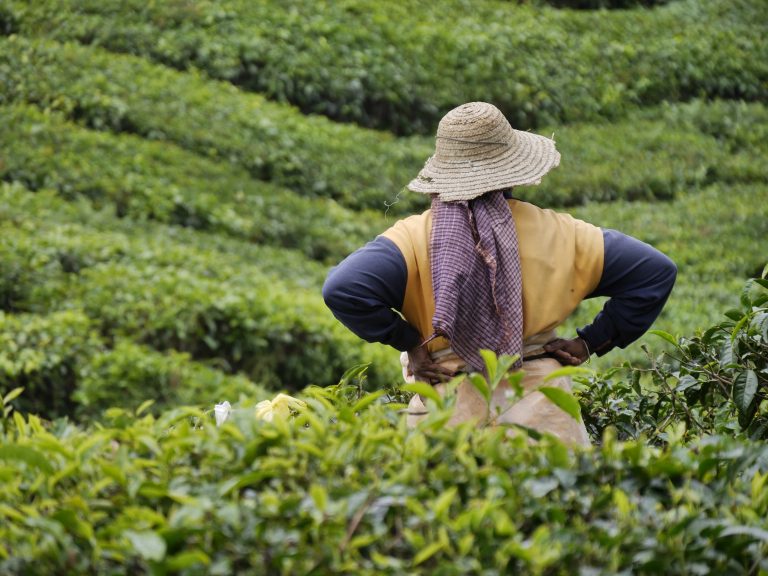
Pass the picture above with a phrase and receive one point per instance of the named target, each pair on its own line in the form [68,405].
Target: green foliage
[718,237]
[153,254]
[659,154]
[256,313]
[8,22]
[76,229]
[273,142]
[401,66]
[672,149]
[168,288]
[43,355]
[67,369]
[128,375]
[603,4]
[713,383]
[142,179]
[334,490]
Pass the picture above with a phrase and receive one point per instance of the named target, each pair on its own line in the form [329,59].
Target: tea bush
[358,168]
[49,237]
[148,262]
[273,142]
[401,66]
[713,383]
[67,369]
[345,487]
[182,290]
[8,22]
[43,355]
[718,237]
[25,209]
[128,374]
[658,154]
[143,179]
[603,4]
[264,317]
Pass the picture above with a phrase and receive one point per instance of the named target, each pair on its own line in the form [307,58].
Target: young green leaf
[563,400]
[368,399]
[568,371]
[148,544]
[319,496]
[13,394]
[427,552]
[443,502]
[426,390]
[665,335]
[481,385]
[491,363]
[144,406]
[354,373]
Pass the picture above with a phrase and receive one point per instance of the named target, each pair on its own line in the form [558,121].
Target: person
[482,269]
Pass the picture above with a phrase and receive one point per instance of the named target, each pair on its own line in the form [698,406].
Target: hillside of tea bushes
[400,66]
[176,178]
[340,485]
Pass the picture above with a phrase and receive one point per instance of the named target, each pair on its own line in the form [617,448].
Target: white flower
[221,411]
[280,406]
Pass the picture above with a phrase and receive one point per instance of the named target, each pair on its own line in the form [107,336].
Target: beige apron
[533,410]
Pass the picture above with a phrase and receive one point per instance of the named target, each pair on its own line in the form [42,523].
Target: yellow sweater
[561,260]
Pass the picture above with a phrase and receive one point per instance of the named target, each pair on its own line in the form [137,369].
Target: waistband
[533,349]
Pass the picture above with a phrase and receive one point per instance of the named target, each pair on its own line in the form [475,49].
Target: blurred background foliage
[176,178]
[180,175]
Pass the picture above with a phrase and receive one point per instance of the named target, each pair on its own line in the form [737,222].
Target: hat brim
[525,163]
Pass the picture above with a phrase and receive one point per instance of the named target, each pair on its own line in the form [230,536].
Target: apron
[532,410]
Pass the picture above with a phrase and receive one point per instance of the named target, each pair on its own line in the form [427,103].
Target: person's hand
[570,352]
[420,366]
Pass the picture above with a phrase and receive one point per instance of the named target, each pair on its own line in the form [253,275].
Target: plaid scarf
[476,277]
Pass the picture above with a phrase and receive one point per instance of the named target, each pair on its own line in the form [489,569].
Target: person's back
[481,270]
[561,260]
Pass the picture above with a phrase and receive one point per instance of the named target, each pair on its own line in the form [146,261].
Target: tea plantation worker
[484,270]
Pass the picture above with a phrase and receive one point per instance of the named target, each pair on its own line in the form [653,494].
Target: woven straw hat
[476,151]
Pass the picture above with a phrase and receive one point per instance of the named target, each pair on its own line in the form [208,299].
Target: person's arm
[638,280]
[364,290]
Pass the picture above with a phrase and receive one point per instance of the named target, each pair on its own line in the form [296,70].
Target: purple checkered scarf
[476,277]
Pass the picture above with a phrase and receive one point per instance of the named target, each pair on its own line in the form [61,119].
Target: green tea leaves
[563,400]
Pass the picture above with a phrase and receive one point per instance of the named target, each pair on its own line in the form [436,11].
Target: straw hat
[476,151]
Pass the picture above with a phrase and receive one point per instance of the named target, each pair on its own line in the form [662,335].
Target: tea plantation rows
[401,66]
[671,148]
[176,178]
[179,152]
[242,308]
[150,180]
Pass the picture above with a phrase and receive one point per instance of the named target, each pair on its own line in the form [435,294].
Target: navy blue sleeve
[638,279]
[364,290]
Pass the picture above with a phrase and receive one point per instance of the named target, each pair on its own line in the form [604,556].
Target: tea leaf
[664,335]
[481,385]
[148,544]
[367,400]
[12,395]
[563,400]
[26,454]
[744,389]
[427,552]
[426,390]
[567,371]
